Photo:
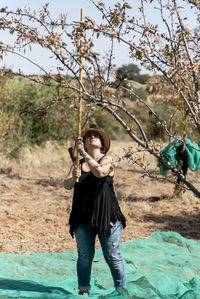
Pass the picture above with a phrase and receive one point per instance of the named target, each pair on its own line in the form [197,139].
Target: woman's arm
[70,179]
[102,169]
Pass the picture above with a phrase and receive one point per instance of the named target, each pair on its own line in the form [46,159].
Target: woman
[95,209]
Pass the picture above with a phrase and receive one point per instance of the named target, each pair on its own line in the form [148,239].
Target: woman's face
[93,139]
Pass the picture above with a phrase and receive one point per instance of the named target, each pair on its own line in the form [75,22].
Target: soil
[35,207]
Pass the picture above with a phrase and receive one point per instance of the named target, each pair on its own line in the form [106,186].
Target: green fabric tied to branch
[172,154]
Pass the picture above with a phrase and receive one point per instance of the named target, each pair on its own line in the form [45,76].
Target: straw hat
[103,134]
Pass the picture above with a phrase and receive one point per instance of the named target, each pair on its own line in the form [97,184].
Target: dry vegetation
[35,207]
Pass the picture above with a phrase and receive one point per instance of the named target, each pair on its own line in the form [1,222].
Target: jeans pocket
[116,226]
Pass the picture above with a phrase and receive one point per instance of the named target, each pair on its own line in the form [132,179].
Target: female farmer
[95,209]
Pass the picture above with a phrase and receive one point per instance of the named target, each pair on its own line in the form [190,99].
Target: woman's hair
[102,149]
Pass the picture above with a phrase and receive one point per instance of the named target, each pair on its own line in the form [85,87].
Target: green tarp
[165,265]
[171,154]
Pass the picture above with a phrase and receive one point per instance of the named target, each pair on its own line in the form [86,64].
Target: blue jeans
[85,237]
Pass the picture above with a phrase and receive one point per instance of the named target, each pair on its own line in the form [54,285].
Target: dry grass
[35,207]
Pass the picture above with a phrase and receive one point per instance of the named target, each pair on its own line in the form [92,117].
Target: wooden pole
[80,97]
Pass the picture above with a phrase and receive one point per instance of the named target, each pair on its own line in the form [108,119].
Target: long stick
[80,97]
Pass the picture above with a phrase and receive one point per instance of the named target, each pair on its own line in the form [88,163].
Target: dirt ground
[35,207]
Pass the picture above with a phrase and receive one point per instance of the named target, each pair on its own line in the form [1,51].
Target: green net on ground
[165,265]
[172,154]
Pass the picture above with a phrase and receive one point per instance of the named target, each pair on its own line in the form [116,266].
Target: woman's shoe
[83,293]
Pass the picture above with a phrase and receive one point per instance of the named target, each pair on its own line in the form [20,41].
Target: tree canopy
[131,72]
[171,51]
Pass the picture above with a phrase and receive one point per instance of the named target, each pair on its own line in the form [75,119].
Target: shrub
[24,120]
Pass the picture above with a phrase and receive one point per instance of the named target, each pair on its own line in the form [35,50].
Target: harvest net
[165,265]
[172,154]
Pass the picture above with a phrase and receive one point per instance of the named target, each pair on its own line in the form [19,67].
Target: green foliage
[154,129]
[25,120]
[131,72]
[142,78]
[140,92]
[24,117]
[108,123]
[175,122]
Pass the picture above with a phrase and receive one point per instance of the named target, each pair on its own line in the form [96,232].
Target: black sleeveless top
[95,203]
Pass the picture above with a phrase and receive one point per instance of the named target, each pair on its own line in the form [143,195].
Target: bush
[108,123]
[24,120]
[140,92]
[131,72]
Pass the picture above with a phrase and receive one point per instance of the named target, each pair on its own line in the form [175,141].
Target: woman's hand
[70,179]
[80,146]
[76,173]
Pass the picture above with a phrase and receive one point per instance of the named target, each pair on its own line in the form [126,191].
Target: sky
[72,9]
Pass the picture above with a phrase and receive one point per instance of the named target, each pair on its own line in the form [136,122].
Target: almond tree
[171,50]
